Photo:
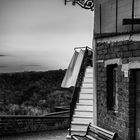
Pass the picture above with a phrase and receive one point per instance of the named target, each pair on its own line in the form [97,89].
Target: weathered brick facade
[122,121]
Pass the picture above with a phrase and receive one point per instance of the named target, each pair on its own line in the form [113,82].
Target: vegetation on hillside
[32,93]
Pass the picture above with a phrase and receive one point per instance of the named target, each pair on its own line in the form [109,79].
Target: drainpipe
[94,78]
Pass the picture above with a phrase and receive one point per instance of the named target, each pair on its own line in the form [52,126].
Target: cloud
[3,66]
[31,65]
[2,55]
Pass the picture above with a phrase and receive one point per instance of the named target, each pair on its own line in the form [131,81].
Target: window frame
[112,87]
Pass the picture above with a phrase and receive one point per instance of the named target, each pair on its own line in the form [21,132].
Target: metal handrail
[78,85]
[84,48]
[73,105]
[75,96]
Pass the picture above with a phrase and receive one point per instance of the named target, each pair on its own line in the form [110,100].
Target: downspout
[94,76]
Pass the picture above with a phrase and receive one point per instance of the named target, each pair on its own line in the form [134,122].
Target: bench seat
[96,133]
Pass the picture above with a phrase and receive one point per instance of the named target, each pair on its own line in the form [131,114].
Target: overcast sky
[40,35]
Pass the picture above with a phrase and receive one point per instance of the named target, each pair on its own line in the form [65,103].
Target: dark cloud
[2,55]
[30,65]
[3,66]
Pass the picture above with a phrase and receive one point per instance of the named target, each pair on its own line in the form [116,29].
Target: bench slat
[100,134]
[96,133]
[77,137]
[101,129]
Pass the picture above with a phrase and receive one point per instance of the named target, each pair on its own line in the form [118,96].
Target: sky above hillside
[40,35]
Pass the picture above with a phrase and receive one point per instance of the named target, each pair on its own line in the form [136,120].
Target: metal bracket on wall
[86,4]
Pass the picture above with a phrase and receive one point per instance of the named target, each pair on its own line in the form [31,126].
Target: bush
[38,91]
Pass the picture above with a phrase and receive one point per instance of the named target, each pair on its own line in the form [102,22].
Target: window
[112,99]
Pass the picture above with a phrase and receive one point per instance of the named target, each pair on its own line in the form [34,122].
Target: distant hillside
[32,93]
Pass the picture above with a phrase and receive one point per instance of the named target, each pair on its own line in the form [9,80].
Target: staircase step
[84,104]
[78,132]
[91,83]
[86,93]
[82,117]
[89,71]
[88,120]
[87,102]
[88,75]
[79,126]
[89,67]
[85,107]
[79,123]
[88,79]
[87,85]
[86,96]
[82,110]
[86,90]
[84,114]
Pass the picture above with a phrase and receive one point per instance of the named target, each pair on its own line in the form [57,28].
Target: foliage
[32,93]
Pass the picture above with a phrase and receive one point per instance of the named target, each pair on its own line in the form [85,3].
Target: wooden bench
[96,133]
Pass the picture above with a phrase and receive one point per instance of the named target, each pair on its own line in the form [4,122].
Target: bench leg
[68,137]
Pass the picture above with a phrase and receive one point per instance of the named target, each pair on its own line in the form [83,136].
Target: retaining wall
[25,124]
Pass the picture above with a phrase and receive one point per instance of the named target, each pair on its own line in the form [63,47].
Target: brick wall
[123,121]
[25,124]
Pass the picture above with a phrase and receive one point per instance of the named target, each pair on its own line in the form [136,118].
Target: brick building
[111,99]
[117,45]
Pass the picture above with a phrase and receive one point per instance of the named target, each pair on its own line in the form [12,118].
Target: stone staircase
[83,113]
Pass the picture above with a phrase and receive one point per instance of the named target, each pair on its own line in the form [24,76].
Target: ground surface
[49,135]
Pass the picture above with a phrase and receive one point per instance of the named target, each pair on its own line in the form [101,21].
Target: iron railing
[87,60]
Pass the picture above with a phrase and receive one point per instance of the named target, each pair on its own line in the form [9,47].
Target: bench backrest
[100,133]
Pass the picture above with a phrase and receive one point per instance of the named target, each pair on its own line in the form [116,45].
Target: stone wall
[25,124]
[121,122]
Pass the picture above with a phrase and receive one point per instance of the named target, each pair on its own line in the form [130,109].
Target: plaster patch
[113,61]
[100,61]
[130,65]
[125,67]
[134,65]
